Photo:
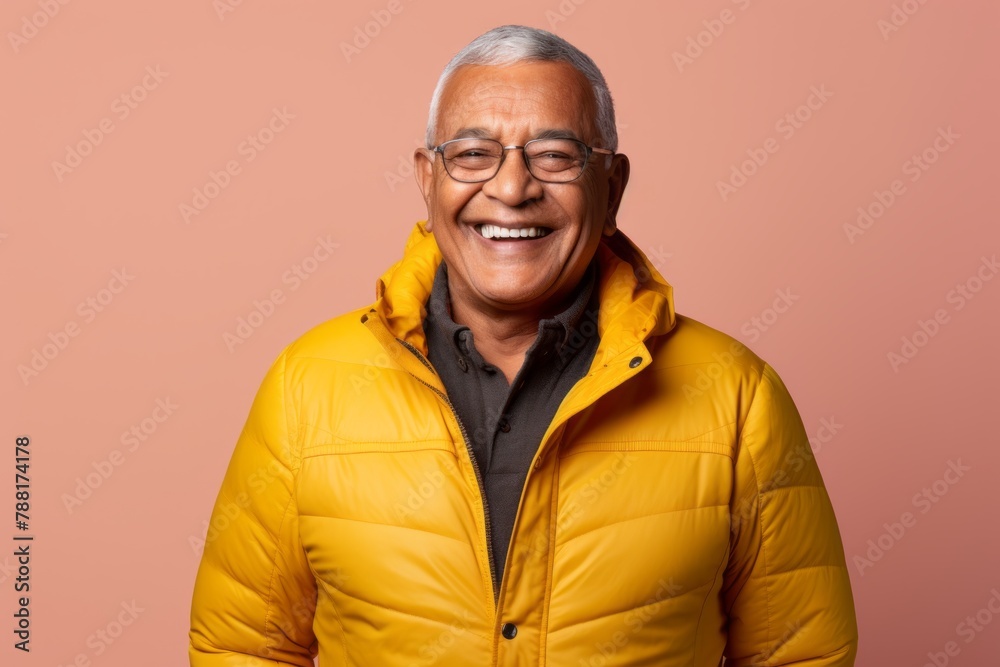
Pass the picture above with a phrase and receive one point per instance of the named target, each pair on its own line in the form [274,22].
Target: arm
[254,595]
[787,590]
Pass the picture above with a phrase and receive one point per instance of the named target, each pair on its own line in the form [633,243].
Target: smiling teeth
[496,231]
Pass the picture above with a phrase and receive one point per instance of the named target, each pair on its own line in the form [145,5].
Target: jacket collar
[636,302]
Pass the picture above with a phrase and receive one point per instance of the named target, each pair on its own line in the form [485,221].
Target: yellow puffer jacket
[673,512]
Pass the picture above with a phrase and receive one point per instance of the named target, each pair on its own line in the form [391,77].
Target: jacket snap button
[509,630]
[635,362]
[504,425]
[463,364]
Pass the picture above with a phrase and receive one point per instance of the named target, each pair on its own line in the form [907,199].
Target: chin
[511,293]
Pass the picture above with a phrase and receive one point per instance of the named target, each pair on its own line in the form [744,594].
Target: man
[519,454]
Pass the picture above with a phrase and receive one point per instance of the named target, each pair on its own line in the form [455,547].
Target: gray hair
[510,44]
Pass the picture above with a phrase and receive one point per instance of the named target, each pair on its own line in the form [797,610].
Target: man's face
[514,104]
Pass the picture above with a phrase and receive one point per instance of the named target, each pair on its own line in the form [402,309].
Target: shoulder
[709,372]
[703,350]
[340,340]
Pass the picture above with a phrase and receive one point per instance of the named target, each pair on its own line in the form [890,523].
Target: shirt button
[463,364]
[509,630]
[504,425]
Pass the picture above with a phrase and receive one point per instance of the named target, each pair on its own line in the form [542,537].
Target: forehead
[515,102]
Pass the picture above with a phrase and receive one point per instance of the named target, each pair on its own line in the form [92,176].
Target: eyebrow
[483,133]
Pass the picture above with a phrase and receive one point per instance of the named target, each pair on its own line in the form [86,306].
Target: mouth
[499,233]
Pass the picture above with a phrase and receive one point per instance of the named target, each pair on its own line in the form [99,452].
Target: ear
[617,180]
[423,172]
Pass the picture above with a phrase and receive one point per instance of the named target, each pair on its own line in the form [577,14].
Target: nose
[513,185]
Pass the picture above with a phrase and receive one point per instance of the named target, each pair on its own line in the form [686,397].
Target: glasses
[474,160]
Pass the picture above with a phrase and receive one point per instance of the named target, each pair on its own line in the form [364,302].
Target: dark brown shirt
[505,422]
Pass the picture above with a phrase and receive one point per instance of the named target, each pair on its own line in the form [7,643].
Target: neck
[502,336]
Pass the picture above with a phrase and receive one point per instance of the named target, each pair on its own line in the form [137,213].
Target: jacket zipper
[472,457]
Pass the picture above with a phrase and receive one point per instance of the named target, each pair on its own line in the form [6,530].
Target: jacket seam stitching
[270,585]
[637,518]
[314,455]
[387,525]
[835,566]
[694,438]
[619,612]
[760,508]
[550,566]
[392,609]
[343,632]
[281,524]
[749,365]
[792,486]
[704,603]
[680,447]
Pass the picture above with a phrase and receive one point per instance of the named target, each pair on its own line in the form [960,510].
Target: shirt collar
[564,323]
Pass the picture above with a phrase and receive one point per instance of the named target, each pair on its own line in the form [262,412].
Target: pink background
[338,170]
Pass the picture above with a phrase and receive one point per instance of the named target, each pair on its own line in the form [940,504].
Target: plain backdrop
[169,168]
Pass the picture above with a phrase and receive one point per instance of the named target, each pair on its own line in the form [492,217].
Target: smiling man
[519,454]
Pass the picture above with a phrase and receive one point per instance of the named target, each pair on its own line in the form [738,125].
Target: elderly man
[519,454]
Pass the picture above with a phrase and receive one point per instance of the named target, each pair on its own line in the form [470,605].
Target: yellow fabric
[673,513]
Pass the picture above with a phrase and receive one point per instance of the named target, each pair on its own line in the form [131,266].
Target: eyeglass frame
[524,155]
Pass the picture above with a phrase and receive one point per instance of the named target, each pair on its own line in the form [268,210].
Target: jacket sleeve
[787,590]
[254,595]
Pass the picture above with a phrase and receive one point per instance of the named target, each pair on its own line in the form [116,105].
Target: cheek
[451,197]
[585,207]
